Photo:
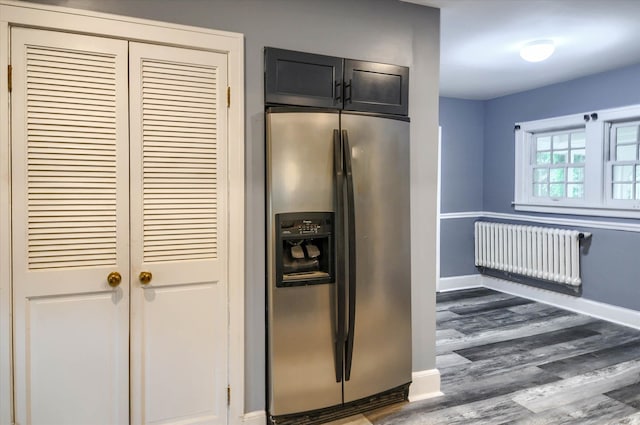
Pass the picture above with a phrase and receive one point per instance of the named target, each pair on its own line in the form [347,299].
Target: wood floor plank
[633,419]
[629,395]
[446,334]
[449,360]
[505,363]
[494,411]
[509,332]
[599,359]
[444,316]
[467,302]
[492,305]
[495,319]
[442,297]
[505,360]
[525,344]
[594,410]
[577,387]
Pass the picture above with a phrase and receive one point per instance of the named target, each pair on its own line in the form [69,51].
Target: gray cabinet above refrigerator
[308,79]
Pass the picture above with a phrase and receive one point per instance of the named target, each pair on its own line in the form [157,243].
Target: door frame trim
[14,13]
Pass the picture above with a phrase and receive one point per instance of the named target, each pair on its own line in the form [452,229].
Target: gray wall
[462,123]
[457,247]
[610,266]
[378,30]
[462,144]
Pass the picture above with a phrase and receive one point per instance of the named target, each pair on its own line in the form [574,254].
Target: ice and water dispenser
[304,249]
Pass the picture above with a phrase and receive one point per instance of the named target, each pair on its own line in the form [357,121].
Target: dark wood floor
[505,359]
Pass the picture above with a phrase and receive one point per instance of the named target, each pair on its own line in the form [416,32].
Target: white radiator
[537,252]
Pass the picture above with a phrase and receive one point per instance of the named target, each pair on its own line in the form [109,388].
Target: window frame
[598,166]
[611,161]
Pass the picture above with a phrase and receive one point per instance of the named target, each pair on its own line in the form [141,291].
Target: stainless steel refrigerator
[338,254]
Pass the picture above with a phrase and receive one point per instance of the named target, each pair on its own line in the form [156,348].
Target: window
[585,164]
[558,165]
[625,167]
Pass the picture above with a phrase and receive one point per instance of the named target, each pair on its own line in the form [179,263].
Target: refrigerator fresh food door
[301,319]
[380,302]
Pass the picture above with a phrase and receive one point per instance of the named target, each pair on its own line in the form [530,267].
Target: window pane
[541,175]
[627,134]
[638,173]
[556,174]
[540,190]
[578,156]
[578,140]
[625,152]
[575,191]
[622,191]
[560,157]
[638,191]
[560,141]
[543,158]
[543,143]
[623,173]
[556,190]
[575,174]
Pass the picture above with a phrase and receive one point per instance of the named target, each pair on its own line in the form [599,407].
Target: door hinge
[228,97]
[229,396]
[9,77]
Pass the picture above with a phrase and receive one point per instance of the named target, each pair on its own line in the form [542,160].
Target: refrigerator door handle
[340,259]
[351,237]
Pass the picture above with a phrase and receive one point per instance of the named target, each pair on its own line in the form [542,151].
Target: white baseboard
[459,282]
[425,384]
[608,312]
[259,417]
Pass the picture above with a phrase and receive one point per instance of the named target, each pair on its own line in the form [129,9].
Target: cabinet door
[70,218]
[376,87]
[302,79]
[179,209]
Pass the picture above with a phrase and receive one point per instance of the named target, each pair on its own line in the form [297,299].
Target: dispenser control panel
[305,227]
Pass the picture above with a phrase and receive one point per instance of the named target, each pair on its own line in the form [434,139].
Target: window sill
[579,210]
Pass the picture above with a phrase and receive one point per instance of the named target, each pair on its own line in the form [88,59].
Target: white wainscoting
[573,222]
[608,312]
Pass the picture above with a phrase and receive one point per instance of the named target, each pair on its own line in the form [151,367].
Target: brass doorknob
[145,277]
[114,279]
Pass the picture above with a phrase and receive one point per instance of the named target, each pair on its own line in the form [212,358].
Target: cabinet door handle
[145,277]
[337,92]
[114,279]
[347,97]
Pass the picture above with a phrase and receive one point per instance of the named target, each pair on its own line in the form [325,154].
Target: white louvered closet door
[70,217]
[178,234]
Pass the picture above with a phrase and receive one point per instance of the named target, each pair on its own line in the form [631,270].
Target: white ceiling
[480,42]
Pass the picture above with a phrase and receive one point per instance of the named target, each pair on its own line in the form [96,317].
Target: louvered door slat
[167,161]
[88,102]
[61,148]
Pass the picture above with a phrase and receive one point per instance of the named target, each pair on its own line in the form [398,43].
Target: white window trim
[597,201]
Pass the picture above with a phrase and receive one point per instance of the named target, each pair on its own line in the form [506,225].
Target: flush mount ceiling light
[537,51]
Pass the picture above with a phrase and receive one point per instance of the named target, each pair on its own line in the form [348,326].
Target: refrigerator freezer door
[301,320]
[379,150]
